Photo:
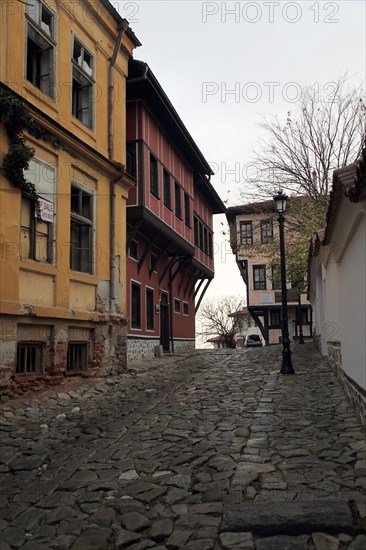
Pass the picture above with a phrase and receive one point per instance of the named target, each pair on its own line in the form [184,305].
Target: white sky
[199,51]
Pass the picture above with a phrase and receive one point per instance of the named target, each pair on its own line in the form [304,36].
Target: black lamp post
[287,368]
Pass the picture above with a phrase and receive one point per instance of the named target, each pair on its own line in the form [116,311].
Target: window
[81,230]
[276,277]
[149,309]
[246,233]
[167,190]
[205,240]
[154,177]
[133,250]
[203,237]
[36,218]
[187,212]
[34,233]
[176,305]
[259,276]
[196,235]
[153,263]
[131,167]
[304,316]
[177,197]
[77,356]
[29,359]
[275,317]
[135,305]
[185,308]
[40,47]
[210,245]
[200,235]
[266,231]
[82,84]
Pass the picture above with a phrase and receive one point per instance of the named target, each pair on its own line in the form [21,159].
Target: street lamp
[287,368]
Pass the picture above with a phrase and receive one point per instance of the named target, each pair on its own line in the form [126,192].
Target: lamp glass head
[280,200]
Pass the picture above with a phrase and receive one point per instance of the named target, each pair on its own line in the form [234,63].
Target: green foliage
[17,119]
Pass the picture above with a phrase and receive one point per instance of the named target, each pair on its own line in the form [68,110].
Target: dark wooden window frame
[246,238]
[259,281]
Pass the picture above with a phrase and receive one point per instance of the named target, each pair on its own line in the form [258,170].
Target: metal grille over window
[77,357]
[29,359]
[82,84]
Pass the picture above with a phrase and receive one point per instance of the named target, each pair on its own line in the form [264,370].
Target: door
[164,322]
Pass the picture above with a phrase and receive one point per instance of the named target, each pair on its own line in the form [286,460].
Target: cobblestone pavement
[213,450]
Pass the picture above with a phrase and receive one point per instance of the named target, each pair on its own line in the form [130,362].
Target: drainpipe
[112,233]
[122,29]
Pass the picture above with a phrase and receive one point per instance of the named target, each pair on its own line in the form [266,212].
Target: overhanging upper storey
[143,85]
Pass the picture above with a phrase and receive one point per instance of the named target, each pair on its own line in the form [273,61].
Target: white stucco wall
[352,301]
[338,292]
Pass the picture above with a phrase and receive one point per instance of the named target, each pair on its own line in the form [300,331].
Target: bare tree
[214,316]
[300,154]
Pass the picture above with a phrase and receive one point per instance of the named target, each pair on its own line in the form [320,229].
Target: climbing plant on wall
[16,118]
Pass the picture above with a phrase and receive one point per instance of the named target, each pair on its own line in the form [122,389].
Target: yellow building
[62,261]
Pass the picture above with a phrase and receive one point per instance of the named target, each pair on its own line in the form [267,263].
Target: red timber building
[169,221]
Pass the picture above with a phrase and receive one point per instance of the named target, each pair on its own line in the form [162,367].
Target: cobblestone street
[214,450]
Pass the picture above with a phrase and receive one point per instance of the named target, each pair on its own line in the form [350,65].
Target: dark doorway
[164,321]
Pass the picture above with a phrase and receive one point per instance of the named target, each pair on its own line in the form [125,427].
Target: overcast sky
[261,52]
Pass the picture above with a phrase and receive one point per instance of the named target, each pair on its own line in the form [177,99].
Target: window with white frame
[185,308]
[81,230]
[176,305]
[82,83]
[149,309]
[40,47]
[135,305]
[37,217]
[133,250]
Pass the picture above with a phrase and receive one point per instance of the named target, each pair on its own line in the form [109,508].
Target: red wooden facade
[169,220]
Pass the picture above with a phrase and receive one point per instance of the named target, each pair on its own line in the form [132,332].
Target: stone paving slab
[172,452]
[290,518]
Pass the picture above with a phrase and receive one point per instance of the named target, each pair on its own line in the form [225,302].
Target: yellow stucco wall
[53,289]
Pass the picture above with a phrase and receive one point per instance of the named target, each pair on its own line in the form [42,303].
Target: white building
[337,281]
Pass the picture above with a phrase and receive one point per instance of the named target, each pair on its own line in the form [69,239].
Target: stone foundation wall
[106,348]
[141,348]
[184,345]
[355,394]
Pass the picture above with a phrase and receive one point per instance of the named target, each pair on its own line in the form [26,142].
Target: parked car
[253,341]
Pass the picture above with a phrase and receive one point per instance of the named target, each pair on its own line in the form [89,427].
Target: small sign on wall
[157,309]
[44,210]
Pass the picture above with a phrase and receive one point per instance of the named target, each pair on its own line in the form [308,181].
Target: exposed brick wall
[106,344]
